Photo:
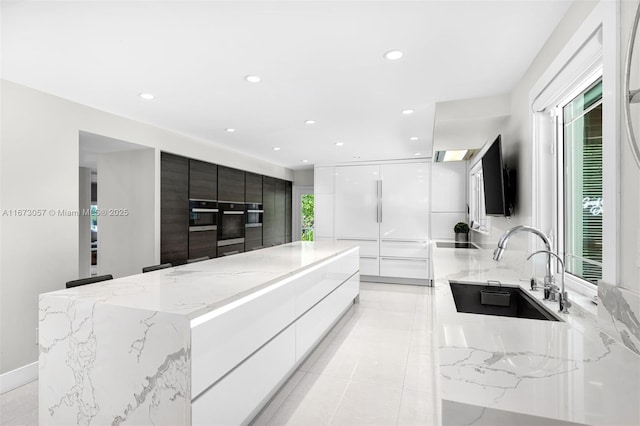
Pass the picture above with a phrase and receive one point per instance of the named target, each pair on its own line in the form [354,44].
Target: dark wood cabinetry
[230,185]
[287,212]
[275,211]
[174,208]
[183,178]
[253,188]
[203,180]
[203,243]
[269,232]
[280,208]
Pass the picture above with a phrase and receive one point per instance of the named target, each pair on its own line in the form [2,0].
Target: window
[580,183]
[477,217]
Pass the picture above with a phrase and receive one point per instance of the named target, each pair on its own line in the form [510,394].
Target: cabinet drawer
[237,397]
[404,267]
[202,244]
[253,245]
[316,284]
[368,247]
[404,248]
[369,265]
[221,342]
[230,249]
[312,325]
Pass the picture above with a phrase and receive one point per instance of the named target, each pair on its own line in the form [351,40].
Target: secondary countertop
[194,289]
[570,371]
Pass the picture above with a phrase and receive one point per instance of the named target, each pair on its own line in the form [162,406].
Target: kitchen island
[203,343]
[496,370]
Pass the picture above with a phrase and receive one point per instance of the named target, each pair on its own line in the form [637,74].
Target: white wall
[84,223]
[127,182]
[517,135]
[303,177]
[39,169]
[448,198]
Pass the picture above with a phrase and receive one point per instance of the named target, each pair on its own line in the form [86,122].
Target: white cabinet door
[323,216]
[405,201]
[323,180]
[449,187]
[356,202]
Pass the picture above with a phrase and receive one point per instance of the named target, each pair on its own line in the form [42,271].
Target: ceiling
[318,60]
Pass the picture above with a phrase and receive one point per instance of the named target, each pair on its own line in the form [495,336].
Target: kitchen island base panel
[243,392]
[101,364]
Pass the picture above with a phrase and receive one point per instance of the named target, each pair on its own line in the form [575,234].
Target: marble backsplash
[619,314]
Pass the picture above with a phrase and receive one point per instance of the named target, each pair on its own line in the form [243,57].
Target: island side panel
[104,364]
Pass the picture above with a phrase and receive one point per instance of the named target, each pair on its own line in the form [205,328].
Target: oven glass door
[253,215]
[202,213]
[231,222]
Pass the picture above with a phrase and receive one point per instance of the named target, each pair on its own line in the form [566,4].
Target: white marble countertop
[195,289]
[569,371]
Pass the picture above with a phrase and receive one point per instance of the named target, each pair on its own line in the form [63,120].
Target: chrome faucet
[502,244]
[563,299]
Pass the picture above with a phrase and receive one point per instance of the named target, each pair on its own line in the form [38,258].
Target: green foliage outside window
[307,217]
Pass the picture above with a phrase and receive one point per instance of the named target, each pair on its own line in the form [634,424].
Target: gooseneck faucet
[563,299]
[502,244]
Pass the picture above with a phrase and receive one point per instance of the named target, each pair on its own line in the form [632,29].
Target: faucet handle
[564,303]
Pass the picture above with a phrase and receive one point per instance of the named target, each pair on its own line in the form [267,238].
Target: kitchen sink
[507,301]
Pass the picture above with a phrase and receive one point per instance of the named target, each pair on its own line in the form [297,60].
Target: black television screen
[495,181]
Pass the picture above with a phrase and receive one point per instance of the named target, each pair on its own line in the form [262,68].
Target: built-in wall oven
[253,215]
[203,215]
[231,228]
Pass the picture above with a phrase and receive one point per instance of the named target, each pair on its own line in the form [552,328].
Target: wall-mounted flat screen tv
[497,190]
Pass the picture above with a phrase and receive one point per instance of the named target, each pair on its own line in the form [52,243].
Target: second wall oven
[231,228]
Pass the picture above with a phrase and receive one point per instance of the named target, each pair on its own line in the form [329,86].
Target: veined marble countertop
[568,371]
[197,288]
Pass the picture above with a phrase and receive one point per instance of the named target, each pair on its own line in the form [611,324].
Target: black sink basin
[504,301]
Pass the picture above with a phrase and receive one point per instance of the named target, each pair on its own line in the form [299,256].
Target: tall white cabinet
[384,208]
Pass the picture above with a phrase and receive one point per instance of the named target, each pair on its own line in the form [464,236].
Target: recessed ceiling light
[393,55]
[407,111]
[413,138]
[417,153]
[276,148]
[339,143]
[356,157]
[253,78]
[305,161]
[230,130]
[310,122]
[146,96]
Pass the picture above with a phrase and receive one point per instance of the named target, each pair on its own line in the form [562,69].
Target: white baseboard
[18,377]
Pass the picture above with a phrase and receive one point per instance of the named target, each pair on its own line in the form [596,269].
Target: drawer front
[368,247]
[404,248]
[404,267]
[230,249]
[220,343]
[315,285]
[312,325]
[369,265]
[237,397]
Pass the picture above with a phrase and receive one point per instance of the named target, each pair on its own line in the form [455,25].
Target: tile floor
[376,367]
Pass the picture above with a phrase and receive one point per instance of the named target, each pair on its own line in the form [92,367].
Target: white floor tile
[313,401]
[364,404]
[417,408]
[20,406]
